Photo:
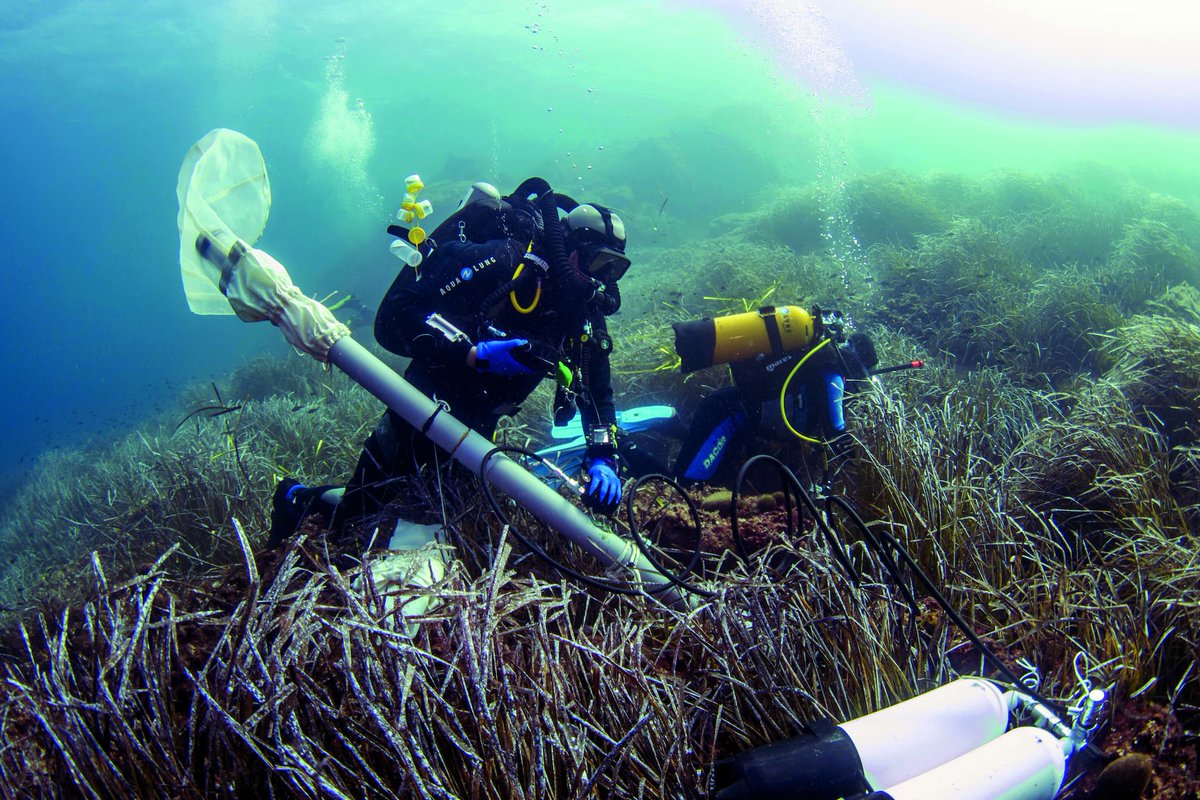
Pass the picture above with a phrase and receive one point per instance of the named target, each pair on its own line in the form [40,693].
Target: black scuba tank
[482,217]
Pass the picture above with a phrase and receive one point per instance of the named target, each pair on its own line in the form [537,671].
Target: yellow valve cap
[423,208]
[405,216]
[408,204]
[416,235]
[413,184]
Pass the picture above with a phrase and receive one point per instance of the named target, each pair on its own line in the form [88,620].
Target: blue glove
[496,356]
[604,487]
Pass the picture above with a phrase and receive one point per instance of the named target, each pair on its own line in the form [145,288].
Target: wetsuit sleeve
[455,282]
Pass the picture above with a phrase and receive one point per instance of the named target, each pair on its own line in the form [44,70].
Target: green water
[671,112]
[910,131]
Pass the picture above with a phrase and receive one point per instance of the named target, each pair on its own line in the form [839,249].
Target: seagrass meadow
[1043,469]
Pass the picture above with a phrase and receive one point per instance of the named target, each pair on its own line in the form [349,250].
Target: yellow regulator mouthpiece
[414,210]
[771,330]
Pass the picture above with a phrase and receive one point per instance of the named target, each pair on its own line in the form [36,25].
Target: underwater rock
[1126,778]
[766,502]
[717,501]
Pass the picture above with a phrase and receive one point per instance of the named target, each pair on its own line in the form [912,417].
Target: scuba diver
[792,372]
[504,294]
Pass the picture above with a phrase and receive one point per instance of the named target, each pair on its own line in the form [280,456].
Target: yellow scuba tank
[769,330]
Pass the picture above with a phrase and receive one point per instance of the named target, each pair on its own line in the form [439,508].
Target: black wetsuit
[456,282]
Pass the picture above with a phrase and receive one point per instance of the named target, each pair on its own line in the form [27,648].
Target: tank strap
[773,336]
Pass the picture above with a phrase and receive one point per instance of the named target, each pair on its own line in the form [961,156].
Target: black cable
[877,544]
[738,543]
[962,625]
[792,481]
[694,562]
[500,292]
[883,544]
[889,561]
[529,543]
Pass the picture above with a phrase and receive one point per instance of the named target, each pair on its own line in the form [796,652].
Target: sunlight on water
[797,35]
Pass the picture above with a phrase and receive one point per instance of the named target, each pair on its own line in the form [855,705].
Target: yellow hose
[537,295]
[783,394]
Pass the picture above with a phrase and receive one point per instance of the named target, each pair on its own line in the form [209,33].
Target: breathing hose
[635,530]
[546,202]
[518,281]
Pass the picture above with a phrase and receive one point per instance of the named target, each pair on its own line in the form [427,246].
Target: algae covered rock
[1147,259]
[1092,470]
[1125,778]
[719,500]
[891,208]
[1158,369]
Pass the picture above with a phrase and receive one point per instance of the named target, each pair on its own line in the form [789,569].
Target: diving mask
[603,263]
